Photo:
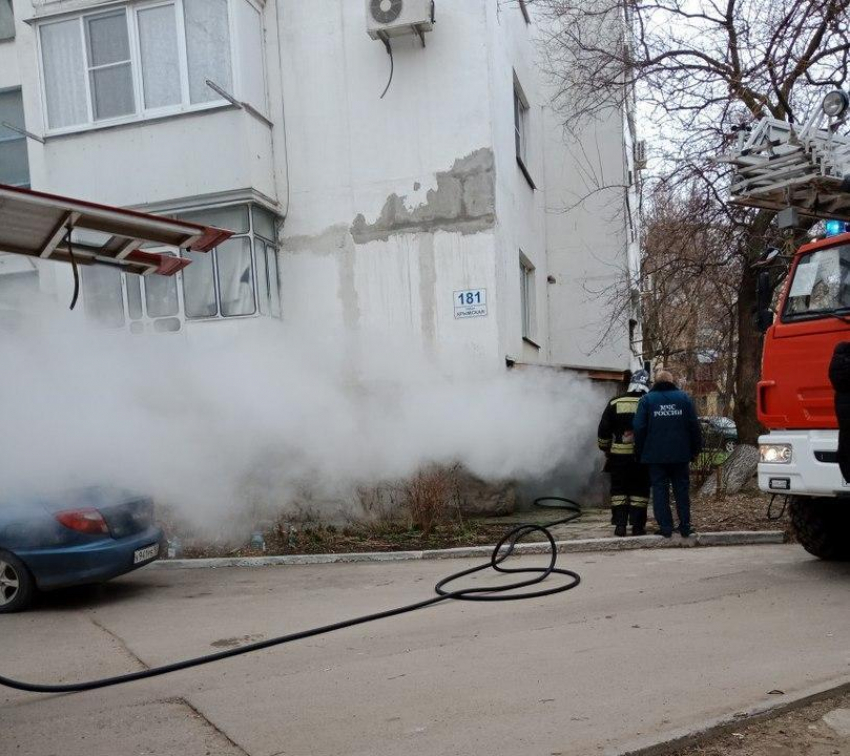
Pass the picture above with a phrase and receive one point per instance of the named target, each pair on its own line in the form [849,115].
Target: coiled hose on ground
[505,592]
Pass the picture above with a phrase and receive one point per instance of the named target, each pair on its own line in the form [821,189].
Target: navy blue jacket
[666,427]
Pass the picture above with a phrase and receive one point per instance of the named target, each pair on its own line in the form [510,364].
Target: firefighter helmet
[639,381]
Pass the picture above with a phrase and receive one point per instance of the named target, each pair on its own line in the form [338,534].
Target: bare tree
[701,69]
[689,304]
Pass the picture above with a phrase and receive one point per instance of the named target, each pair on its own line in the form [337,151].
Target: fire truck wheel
[822,526]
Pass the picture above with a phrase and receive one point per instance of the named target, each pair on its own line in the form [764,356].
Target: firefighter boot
[621,519]
[638,520]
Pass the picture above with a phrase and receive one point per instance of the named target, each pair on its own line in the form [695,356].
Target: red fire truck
[803,172]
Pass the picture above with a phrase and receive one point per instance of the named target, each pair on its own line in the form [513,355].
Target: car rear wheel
[16,584]
[822,526]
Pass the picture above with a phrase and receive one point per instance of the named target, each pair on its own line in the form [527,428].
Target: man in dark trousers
[629,479]
[667,439]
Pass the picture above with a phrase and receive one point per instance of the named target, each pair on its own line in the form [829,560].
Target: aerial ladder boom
[779,166]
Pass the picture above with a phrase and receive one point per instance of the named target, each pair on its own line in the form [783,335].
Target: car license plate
[146,554]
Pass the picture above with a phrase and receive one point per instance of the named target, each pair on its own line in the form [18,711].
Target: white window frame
[182,60]
[252,235]
[521,109]
[146,323]
[142,113]
[527,297]
[522,114]
[90,69]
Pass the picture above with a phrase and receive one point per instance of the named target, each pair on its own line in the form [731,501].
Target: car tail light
[84,521]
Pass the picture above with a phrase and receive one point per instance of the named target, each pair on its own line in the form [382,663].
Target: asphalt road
[652,642]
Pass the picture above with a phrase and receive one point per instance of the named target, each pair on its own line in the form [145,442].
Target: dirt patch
[328,539]
[746,511]
[814,730]
[743,511]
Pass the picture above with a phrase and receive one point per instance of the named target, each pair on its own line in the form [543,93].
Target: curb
[713,728]
[733,538]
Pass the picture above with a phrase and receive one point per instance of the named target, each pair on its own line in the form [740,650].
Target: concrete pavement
[651,643]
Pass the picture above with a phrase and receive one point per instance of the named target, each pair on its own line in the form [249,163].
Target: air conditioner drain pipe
[514,591]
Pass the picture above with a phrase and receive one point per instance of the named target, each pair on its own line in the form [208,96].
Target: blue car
[86,536]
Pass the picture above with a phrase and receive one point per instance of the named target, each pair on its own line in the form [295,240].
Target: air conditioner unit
[396,18]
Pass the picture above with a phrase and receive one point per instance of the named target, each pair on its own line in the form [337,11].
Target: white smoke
[80,405]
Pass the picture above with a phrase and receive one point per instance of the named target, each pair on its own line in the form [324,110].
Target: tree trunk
[734,474]
[748,366]
[750,340]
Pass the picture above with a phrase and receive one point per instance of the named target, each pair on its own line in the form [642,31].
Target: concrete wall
[520,208]
[391,205]
[588,244]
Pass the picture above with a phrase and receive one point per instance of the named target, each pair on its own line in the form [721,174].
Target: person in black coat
[839,376]
[629,478]
[668,438]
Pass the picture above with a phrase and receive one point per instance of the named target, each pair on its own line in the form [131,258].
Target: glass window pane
[199,286]
[107,39]
[134,296]
[235,281]
[14,168]
[64,74]
[821,282]
[112,92]
[11,111]
[234,218]
[263,223]
[207,47]
[262,276]
[161,296]
[160,62]
[102,295]
[274,281]
[166,325]
[7,20]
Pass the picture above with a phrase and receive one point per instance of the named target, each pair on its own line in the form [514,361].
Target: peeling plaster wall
[392,205]
[397,203]
[463,201]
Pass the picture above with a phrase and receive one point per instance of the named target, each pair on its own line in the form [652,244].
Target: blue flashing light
[835,227]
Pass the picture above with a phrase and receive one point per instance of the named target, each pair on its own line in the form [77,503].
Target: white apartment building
[442,211]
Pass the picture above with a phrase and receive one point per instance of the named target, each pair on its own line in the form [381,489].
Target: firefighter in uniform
[629,478]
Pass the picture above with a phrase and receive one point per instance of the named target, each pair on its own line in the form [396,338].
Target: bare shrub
[430,497]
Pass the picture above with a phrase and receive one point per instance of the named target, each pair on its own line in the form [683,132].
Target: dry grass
[428,497]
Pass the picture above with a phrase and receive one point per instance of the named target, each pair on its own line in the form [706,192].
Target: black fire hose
[505,592]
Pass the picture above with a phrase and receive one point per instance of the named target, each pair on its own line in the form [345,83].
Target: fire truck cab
[803,172]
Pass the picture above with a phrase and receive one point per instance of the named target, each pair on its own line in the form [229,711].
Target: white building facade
[451,211]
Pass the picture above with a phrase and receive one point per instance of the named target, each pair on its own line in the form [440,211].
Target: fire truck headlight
[836,103]
[775,454]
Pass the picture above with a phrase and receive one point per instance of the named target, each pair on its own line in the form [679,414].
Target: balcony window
[239,277]
[146,60]
[102,295]
[14,165]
